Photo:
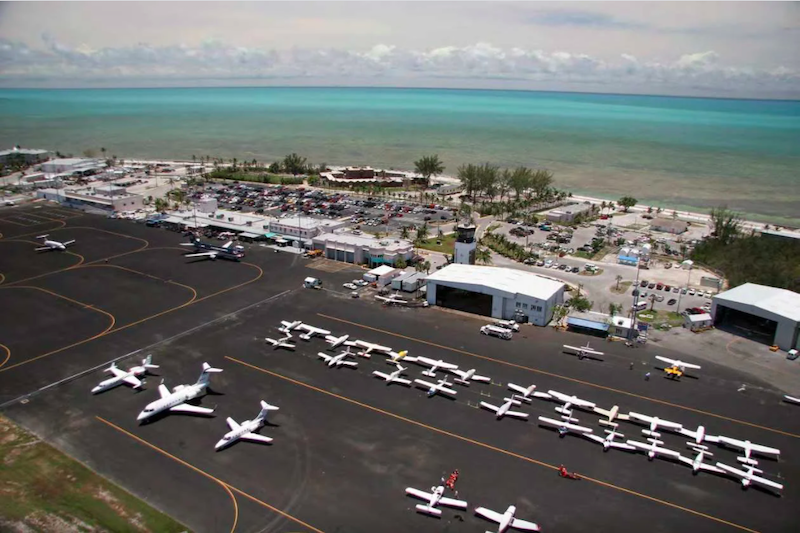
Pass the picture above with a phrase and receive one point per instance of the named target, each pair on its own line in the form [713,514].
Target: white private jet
[699,435]
[175,401]
[336,342]
[311,331]
[583,352]
[53,245]
[338,360]
[527,394]
[394,377]
[396,357]
[749,448]
[131,377]
[697,463]
[654,422]
[654,449]
[748,476]
[505,409]
[676,363]
[791,399]
[434,364]
[247,429]
[368,347]
[435,497]
[281,343]
[286,327]
[569,401]
[608,441]
[434,388]
[565,426]
[506,520]
[465,376]
[610,414]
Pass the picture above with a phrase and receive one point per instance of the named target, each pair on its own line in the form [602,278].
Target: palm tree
[404,232]
[440,234]
[603,206]
[619,278]
[652,299]
[483,255]
[422,232]
[613,309]
[426,266]
[429,165]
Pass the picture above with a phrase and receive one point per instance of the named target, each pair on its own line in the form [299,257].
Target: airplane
[435,497]
[434,364]
[790,399]
[311,331]
[583,352]
[131,377]
[286,327]
[506,520]
[367,348]
[281,343]
[610,414]
[569,401]
[653,449]
[697,463]
[394,377]
[440,386]
[175,401]
[677,367]
[526,393]
[654,423]
[608,441]
[53,245]
[748,476]
[464,376]
[338,360]
[749,448]
[336,342]
[505,409]
[699,435]
[213,251]
[246,430]
[395,357]
[565,426]
[393,299]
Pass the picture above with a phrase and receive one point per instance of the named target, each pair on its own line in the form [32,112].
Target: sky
[726,49]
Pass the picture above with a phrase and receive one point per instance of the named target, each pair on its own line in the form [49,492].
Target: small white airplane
[396,357]
[394,377]
[527,394]
[699,435]
[653,449]
[246,430]
[505,409]
[131,377]
[676,363]
[506,520]
[281,343]
[311,331]
[790,399]
[367,347]
[583,352]
[697,463]
[174,401]
[608,441]
[569,401]
[565,426]
[748,476]
[435,497]
[53,245]
[434,388]
[336,342]
[393,299]
[749,448]
[286,327]
[338,360]
[434,364]
[464,376]
[610,414]
[654,422]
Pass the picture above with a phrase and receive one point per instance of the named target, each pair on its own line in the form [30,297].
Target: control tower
[465,244]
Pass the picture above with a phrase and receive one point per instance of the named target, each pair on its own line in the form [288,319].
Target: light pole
[686,288]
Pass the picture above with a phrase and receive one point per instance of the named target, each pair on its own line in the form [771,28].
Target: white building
[497,292]
[465,245]
[28,156]
[566,214]
[698,322]
[72,166]
[363,249]
[304,228]
[763,313]
[382,275]
[105,198]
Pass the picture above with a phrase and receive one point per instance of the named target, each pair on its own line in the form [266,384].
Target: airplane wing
[490,407]
[666,360]
[188,408]
[518,414]
[202,254]
[452,502]
[753,478]
[791,399]
[381,375]
[67,243]
[766,482]
[619,445]
[448,390]
[348,363]
[133,381]
[418,493]
[489,514]
[438,363]
[517,388]
[255,437]
[764,449]
[118,372]
[711,468]
[524,525]
[561,423]
[43,248]
[688,365]
[485,379]
[232,423]
[425,383]
[227,244]
[402,380]
[163,390]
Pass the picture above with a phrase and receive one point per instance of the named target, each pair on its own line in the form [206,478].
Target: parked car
[691,292]
[683,290]
[672,301]
[659,298]
[676,289]
[659,286]
[707,294]
[667,288]
[575,270]
[651,285]
[644,283]
[562,266]
[635,292]
[349,286]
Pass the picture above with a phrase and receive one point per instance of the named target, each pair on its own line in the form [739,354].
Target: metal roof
[507,280]
[588,324]
[770,299]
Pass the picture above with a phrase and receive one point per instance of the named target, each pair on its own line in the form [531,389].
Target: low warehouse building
[762,313]
[497,292]
[383,275]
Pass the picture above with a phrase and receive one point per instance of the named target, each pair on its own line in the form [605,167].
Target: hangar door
[463,300]
[745,325]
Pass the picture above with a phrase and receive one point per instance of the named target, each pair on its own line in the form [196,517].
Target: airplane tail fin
[43,236]
[147,362]
[265,408]
[112,367]
[204,376]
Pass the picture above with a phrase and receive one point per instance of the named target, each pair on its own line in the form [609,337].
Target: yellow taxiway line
[561,376]
[489,446]
[8,354]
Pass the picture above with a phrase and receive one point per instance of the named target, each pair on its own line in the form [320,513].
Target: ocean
[684,153]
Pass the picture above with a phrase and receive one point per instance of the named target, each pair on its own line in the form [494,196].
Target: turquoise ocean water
[677,152]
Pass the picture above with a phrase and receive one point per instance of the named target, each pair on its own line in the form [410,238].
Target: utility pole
[686,288]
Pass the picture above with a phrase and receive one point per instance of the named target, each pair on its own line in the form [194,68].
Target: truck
[312,283]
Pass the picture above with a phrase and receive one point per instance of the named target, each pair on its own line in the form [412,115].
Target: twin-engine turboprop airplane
[53,245]
[175,401]
[131,377]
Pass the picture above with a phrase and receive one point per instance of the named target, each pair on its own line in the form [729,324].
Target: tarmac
[346,444]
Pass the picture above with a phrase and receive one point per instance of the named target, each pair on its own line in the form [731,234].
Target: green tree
[726,223]
[627,202]
[400,262]
[470,180]
[429,165]
[404,231]
[652,299]
[618,279]
[614,309]
[580,303]
[559,312]
[294,164]
[483,256]
[161,204]
[488,176]
[422,232]
[521,178]
[541,181]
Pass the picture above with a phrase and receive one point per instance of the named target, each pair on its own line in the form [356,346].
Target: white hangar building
[763,313]
[501,293]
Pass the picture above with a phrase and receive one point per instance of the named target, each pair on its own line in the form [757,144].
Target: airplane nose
[220,444]
[141,416]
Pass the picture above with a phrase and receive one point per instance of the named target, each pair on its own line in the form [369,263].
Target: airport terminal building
[503,293]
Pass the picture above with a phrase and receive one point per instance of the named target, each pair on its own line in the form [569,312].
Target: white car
[350,286]
[548,263]
[707,294]
[691,292]
[360,282]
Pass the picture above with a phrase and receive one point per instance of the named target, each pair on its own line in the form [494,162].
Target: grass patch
[623,287]
[447,245]
[48,491]
[657,318]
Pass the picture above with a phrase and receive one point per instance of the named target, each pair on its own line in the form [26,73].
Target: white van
[495,331]
[641,306]
[507,324]
[312,283]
